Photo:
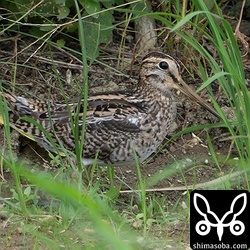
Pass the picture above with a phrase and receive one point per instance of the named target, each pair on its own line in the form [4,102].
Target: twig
[190,187]
[242,38]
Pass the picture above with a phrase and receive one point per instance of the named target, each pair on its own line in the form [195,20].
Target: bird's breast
[154,127]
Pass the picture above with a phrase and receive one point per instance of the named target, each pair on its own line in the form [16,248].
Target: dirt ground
[37,75]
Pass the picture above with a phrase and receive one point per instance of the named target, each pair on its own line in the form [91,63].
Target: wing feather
[120,111]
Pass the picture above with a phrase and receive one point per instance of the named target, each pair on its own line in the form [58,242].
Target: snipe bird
[118,124]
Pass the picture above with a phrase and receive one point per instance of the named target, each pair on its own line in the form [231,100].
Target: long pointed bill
[186,90]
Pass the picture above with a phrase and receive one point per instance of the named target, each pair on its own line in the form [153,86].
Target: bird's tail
[3,98]
[12,109]
[23,115]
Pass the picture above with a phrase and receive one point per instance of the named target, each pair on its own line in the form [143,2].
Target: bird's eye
[163,65]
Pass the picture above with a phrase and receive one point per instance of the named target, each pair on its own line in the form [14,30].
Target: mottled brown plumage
[117,124]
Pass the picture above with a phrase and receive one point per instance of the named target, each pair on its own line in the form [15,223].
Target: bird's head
[162,72]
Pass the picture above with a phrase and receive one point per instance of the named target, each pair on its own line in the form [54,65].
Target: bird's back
[117,125]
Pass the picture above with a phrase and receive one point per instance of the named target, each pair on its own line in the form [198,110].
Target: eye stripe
[173,77]
[154,56]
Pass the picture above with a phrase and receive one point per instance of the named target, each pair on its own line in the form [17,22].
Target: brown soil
[41,78]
